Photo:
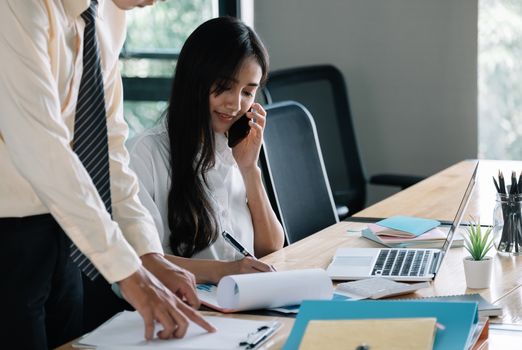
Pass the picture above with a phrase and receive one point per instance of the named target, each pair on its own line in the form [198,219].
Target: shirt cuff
[143,236]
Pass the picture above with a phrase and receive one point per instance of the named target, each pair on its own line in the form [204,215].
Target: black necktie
[90,127]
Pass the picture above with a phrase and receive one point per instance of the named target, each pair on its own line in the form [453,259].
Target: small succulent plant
[478,240]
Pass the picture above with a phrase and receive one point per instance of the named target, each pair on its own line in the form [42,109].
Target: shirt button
[224,213]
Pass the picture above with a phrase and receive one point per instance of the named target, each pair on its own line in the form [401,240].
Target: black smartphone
[238,131]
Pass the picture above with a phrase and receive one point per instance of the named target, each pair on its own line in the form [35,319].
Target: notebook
[376,334]
[434,233]
[401,264]
[424,241]
[434,238]
[376,288]
[407,226]
[485,307]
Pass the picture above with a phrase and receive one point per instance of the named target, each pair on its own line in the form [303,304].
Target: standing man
[65,184]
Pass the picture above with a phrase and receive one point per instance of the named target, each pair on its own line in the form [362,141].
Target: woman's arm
[211,271]
[268,232]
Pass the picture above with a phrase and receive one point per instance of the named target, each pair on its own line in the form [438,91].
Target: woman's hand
[250,265]
[246,153]
[245,265]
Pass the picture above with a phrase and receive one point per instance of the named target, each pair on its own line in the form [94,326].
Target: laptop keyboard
[401,262]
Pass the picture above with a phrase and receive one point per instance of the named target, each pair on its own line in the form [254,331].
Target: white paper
[504,336]
[273,289]
[126,331]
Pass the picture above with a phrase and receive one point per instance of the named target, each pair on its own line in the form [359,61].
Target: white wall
[410,65]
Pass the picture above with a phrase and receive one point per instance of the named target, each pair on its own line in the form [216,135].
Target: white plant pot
[478,272]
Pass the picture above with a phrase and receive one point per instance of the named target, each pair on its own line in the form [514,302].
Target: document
[266,290]
[126,331]
[376,334]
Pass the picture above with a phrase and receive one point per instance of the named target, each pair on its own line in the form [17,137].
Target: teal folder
[459,319]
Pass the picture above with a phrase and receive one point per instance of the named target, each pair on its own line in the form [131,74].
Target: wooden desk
[437,197]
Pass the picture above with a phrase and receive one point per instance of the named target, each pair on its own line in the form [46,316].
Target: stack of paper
[405,231]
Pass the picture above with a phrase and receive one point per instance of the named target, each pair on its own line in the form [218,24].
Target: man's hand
[155,302]
[180,281]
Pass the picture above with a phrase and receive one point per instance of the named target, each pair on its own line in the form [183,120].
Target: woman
[194,185]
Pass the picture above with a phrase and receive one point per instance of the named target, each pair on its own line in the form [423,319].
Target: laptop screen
[458,217]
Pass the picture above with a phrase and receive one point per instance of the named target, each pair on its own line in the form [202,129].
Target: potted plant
[477,266]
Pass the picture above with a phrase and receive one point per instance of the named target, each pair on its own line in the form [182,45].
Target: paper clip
[258,337]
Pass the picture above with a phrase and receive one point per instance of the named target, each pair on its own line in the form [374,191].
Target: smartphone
[238,131]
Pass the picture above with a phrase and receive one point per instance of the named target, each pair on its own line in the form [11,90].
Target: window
[500,79]
[155,35]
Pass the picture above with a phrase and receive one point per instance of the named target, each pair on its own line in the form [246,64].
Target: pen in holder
[507,215]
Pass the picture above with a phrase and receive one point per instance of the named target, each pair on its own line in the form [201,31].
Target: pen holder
[507,227]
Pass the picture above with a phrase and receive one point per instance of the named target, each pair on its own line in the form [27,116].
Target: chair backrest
[322,90]
[147,89]
[294,171]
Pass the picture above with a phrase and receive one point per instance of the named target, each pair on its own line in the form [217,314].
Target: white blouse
[150,157]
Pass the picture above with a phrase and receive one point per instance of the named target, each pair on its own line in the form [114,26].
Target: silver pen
[237,246]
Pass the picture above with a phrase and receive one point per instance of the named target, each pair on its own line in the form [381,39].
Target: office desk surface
[436,197]
[318,249]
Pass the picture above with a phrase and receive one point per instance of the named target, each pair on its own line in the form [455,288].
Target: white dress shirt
[150,158]
[41,44]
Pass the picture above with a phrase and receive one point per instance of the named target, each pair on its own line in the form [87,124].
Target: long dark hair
[211,56]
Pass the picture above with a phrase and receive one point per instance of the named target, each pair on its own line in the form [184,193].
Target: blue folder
[459,319]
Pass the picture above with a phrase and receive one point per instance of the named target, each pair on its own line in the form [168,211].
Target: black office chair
[321,89]
[294,171]
[146,89]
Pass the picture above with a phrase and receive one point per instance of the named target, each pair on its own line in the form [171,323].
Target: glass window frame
[151,93]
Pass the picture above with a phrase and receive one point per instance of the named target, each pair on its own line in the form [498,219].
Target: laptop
[399,264]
